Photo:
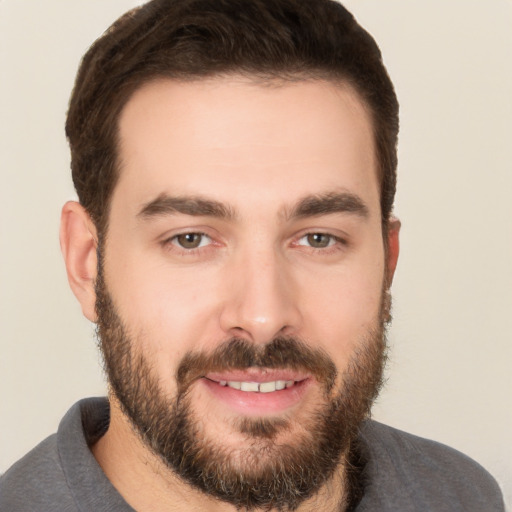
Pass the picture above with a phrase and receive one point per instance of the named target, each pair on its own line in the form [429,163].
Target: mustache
[240,354]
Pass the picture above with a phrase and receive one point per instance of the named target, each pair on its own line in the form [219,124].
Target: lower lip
[258,404]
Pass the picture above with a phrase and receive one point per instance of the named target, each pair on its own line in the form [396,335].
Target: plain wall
[449,375]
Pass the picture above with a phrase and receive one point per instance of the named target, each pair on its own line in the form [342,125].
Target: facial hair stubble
[264,473]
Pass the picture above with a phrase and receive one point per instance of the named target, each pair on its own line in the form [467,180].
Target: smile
[258,387]
[258,392]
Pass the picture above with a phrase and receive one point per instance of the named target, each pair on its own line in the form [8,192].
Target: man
[234,242]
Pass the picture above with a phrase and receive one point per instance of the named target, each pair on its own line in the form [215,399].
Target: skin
[257,150]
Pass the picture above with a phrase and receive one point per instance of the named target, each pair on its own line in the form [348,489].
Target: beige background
[450,374]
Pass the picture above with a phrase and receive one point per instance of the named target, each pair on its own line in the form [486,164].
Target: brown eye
[191,240]
[319,240]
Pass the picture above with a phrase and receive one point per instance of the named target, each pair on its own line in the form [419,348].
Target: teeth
[280,384]
[267,387]
[262,387]
[249,386]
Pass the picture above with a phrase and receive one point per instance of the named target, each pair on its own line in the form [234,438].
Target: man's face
[245,265]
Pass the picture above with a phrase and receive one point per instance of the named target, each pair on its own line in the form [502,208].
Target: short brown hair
[194,39]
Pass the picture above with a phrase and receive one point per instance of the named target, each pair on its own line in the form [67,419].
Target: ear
[393,248]
[78,243]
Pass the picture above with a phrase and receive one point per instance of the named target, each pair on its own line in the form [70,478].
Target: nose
[262,299]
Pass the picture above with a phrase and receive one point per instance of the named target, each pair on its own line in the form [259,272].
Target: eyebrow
[309,206]
[195,206]
[325,204]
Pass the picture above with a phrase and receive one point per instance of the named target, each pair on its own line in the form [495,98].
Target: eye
[318,240]
[191,240]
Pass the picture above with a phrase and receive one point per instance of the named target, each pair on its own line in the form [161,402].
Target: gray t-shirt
[401,472]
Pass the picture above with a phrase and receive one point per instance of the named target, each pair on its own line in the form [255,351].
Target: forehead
[230,136]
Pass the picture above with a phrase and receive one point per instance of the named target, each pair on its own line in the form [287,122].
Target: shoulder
[408,472]
[36,480]
[61,473]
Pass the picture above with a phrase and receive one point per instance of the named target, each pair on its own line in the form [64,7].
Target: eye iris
[319,240]
[190,240]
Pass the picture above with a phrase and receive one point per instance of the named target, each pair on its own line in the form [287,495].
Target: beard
[264,472]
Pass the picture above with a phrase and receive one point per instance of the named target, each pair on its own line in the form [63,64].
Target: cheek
[169,311]
[340,312]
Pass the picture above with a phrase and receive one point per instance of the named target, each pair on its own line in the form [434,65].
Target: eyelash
[172,243]
[335,243]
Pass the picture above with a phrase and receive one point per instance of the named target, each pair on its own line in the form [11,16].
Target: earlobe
[78,242]
[393,248]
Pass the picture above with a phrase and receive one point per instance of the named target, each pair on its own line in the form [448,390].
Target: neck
[147,484]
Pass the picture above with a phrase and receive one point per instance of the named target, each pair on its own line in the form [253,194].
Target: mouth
[258,393]
[257,387]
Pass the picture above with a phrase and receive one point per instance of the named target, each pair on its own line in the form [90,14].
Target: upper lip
[257,375]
